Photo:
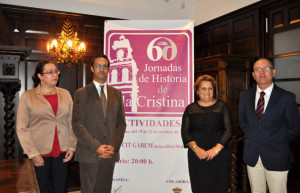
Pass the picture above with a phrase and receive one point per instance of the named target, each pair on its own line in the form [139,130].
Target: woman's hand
[201,153]
[211,153]
[69,155]
[38,161]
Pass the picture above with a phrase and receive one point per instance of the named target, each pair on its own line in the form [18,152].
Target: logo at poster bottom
[177,190]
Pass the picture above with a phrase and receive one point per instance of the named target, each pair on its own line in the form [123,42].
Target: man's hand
[111,148]
[105,151]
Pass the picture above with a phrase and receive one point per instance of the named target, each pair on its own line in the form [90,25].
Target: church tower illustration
[123,71]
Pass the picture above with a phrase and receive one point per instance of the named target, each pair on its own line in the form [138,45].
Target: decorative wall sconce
[67,48]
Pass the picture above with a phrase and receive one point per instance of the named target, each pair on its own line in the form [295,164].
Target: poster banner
[152,64]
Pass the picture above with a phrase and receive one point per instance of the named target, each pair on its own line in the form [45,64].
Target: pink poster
[152,64]
[152,69]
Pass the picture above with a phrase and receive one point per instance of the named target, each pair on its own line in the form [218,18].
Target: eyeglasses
[51,72]
[265,68]
[101,66]
[206,88]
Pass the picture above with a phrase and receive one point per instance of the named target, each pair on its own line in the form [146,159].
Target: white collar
[267,91]
[97,84]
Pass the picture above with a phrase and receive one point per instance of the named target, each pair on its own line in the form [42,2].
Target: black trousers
[53,176]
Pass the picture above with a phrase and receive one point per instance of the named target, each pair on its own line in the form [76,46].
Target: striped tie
[260,105]
[103,101]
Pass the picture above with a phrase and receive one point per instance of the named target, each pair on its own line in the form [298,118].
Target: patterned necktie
[260,105]
[103,101]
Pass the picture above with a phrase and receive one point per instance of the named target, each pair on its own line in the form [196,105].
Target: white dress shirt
[268,92]
[99,89]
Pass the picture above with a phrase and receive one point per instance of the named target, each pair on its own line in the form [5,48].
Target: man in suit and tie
[99,125]
[269,118]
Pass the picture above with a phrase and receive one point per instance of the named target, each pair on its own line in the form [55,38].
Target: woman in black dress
[207,130]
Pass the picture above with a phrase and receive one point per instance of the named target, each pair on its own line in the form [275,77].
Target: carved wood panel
[285,16]
[219,38]
[201,45]
[238,35]
[245,35]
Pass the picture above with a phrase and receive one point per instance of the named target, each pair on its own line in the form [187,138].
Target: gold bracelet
[215,150]
[194,146]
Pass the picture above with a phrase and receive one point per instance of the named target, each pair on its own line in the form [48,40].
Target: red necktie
[260,105]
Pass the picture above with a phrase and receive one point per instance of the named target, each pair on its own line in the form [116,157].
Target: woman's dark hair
[100,56]
[39,70]
[205,78]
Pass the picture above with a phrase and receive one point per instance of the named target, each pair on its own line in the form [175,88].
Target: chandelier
[67,48]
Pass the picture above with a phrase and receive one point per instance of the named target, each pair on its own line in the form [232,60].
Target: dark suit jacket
[90,127]
[270,138]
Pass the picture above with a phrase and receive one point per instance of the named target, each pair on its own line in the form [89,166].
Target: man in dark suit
[99,125]
[270,121]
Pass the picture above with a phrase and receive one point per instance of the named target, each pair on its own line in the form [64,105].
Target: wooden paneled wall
[235,36]
[246,32]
